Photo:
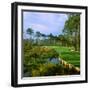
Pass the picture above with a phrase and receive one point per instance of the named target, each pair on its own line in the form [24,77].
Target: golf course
[51,44]
[68,55]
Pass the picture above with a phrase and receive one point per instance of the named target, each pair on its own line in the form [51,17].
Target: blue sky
[44,22]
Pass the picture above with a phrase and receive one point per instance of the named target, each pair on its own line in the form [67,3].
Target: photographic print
[50,44]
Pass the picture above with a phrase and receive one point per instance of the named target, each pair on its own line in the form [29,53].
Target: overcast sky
[44,22]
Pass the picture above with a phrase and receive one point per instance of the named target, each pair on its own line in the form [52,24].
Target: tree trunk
[76,41]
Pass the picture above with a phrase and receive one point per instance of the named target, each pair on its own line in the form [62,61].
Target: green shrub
[36,57]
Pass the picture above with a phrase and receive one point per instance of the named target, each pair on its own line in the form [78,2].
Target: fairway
[66,54]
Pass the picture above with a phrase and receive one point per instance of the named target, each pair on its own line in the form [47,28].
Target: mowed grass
[66,54]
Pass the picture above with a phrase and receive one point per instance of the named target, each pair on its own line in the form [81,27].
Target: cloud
[39,27]
[45,22]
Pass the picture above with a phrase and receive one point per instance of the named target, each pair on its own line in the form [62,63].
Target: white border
[53,78]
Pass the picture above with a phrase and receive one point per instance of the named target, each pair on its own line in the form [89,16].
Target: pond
[54,60]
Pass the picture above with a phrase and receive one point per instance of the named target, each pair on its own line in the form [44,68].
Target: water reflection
[54,60]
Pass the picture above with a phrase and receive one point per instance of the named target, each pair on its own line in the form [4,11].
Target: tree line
[70,36]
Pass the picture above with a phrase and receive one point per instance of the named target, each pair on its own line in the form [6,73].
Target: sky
[43,22]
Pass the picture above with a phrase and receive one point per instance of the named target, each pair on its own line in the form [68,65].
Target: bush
[48,70]
[35,57]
